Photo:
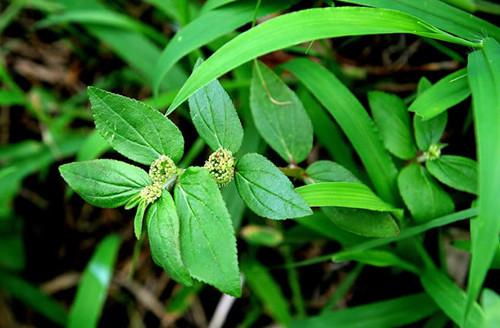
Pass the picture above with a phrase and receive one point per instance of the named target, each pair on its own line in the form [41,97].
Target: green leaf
[321,224]
[429,132]
[93,286]
[328,171]
[302,26]
[139,219]
[104,182]
[491,303]
[93,147]
[266,190]
[135,129]
[363,222]
[450,298]
[425,199]
[12,255]
[328,133]
[221,21]
[393,313]
[280,116]
[441,15]
[262,235]
[164,238]
[378,258]
[484,79]
[208,245]
[344,194]
[354,121]
[455,171]
[391,116]
[267,290]
[445,94]
[33,297]
[215,118]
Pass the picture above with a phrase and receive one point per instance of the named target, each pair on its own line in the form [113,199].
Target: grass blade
[196,34]
[441,15]
[343,194]
[303,26]
[354,121]
[93,287]
[393,313]
[445,94]
[32,296]
[484,80]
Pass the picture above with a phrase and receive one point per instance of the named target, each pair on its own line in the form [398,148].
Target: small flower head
[162,169]
[434,152]
[220,165]
[151,193]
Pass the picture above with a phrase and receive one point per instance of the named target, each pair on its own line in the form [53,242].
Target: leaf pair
[417,185]
[262,186]
[185,235]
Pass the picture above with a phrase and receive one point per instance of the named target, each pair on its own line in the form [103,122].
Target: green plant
[190,234]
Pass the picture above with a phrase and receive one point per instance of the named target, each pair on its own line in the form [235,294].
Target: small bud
[151,193]
[162,169]
[434,152]
[220,165]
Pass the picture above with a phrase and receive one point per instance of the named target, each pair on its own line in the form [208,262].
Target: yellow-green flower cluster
[433,152]
[220,165]
[151,193]
[162,169]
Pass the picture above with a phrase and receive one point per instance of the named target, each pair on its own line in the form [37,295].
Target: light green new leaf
[429,132]
[344,194]
[104,182]
[139,219]
[379,258]
[391,116]
[302,26]
[261,235]
[267,290]
[441,15]
[328,171]
[221,22]
[208,244]
[491,303]
[266,190]
[425,199]
[32,296]
[397,312]
[280,116]
[93,286]
[450,298]
[164,238]
[455,171]
[215,118]
[445,94]
[135,129]
[354,121]
[484,79]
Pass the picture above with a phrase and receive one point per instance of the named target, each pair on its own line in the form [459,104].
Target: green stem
[294,172]
[488,7]
[293,279]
